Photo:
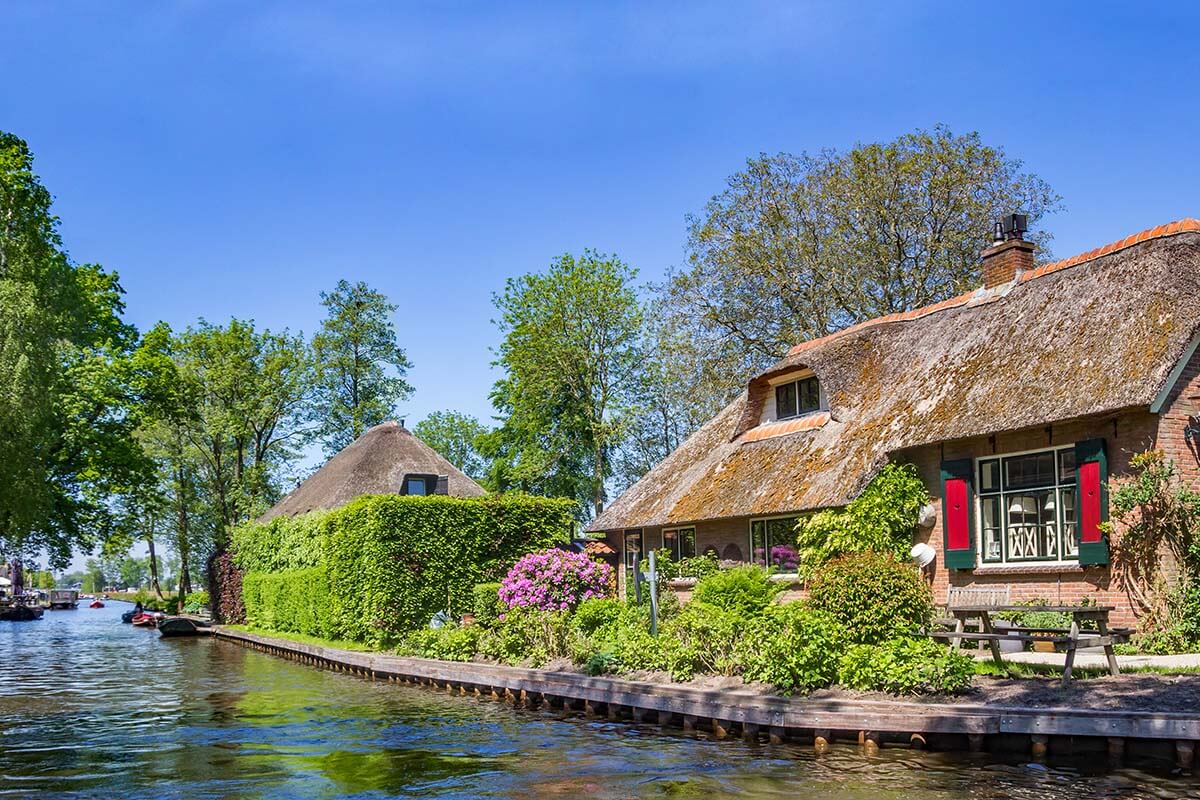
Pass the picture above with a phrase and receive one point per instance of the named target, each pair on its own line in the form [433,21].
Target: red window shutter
[1091,464]
[958,513]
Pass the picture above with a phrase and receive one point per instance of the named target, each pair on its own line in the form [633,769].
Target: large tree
[572,355]
[457,437]
[360,365]
[796,247]
[67,410]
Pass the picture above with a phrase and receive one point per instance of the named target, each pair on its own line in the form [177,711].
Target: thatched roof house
[1094,347]
[387,459]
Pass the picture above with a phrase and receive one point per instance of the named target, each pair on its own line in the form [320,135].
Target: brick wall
[1126,434]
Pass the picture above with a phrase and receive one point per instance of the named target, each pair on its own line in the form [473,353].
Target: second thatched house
[1016,401]
[387,459]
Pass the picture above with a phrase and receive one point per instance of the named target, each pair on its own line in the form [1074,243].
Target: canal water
[93,708]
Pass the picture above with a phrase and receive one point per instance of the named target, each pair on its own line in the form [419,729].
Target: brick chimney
[1010,254]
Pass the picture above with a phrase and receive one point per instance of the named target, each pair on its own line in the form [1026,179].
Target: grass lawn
[302,639]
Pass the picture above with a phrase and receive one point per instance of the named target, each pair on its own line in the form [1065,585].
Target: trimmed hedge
[389,562]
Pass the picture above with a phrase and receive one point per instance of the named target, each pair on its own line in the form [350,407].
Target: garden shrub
[794,648]
[614,637]
[449,643]
[528,636]
[225,584]
[596,613]
[881,519]
[874,596]
[554,580]
[703,638]
[905,666]
[195,602]
[486,606]
[745,590]
[394,561]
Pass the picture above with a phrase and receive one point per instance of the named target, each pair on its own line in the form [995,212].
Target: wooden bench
[973,596]
[1064,640]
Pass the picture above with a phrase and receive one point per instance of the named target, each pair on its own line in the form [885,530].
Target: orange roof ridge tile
[1186,225]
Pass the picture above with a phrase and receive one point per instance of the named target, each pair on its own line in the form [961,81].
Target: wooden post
[749,732]
[822,739]
[1116,750]
[777,734]
[614,711]
[639,715]
[1185,753]
[689,723]
[720,728]
[975,742]
[1039,745]
[871,741]
[589,709]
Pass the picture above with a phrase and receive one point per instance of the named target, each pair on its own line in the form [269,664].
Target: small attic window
[415,486]
[797,398]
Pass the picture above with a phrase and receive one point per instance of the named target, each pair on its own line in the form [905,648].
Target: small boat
[184,626]
[96,604]
[20,612]
[64,598]
[146,620]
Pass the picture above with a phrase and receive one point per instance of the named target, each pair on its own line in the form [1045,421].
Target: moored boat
[184,626]
[64,598]
[147,620]
[19,612]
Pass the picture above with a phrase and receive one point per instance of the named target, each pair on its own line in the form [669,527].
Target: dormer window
[415,486]
[797,397]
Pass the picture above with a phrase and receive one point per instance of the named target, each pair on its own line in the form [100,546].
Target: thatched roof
[374,463]
[1089,335]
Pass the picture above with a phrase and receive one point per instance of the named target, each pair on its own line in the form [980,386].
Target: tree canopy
[456,436]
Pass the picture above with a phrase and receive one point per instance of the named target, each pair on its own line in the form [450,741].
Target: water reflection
[93,708]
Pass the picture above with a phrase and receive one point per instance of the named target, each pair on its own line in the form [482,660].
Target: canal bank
[1037,731]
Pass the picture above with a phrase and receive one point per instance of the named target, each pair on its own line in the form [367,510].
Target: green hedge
[389,562]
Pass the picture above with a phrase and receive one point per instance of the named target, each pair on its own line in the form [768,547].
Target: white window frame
[1003,492]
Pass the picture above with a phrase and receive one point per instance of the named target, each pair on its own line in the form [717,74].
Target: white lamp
[923,554]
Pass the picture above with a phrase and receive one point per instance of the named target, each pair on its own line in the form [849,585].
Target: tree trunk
[154,568]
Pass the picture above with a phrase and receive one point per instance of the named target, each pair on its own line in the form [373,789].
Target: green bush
[449,643]
[874,596]
[614,637]
[294,601]
[196,602]
[528,636]
[597,613]
[744,590]
[394,561]
[794,648]
[881,519]
[702,638]
[905,666]
[486,605]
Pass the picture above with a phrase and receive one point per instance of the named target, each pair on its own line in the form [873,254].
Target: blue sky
[234,159]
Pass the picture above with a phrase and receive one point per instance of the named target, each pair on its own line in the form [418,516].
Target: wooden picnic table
[1064,639]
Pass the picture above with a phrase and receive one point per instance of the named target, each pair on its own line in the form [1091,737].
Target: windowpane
[758,542]
[781,538]
[810,395]
[992,530]
[687,542]
[633,547]
[415,486]
[1070,530]
[989,477]
[785,401]
[1033,470]
[1066,466]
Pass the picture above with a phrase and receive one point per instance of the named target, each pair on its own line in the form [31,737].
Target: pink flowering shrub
[554,580]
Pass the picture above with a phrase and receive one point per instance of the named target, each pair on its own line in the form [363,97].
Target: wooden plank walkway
[790,717]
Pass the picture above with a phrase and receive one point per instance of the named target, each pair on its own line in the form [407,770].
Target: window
[681,542]
[414,486]
[1027,508]
[633,547]
[773,542]
[796,398]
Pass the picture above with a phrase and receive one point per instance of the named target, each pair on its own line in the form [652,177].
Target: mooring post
[689,723]
[614,711]
[720,728]
[749,732]
[821,739]
[871,741]
[1116,749]
[1039,744]
[776,734]
[1185,753]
